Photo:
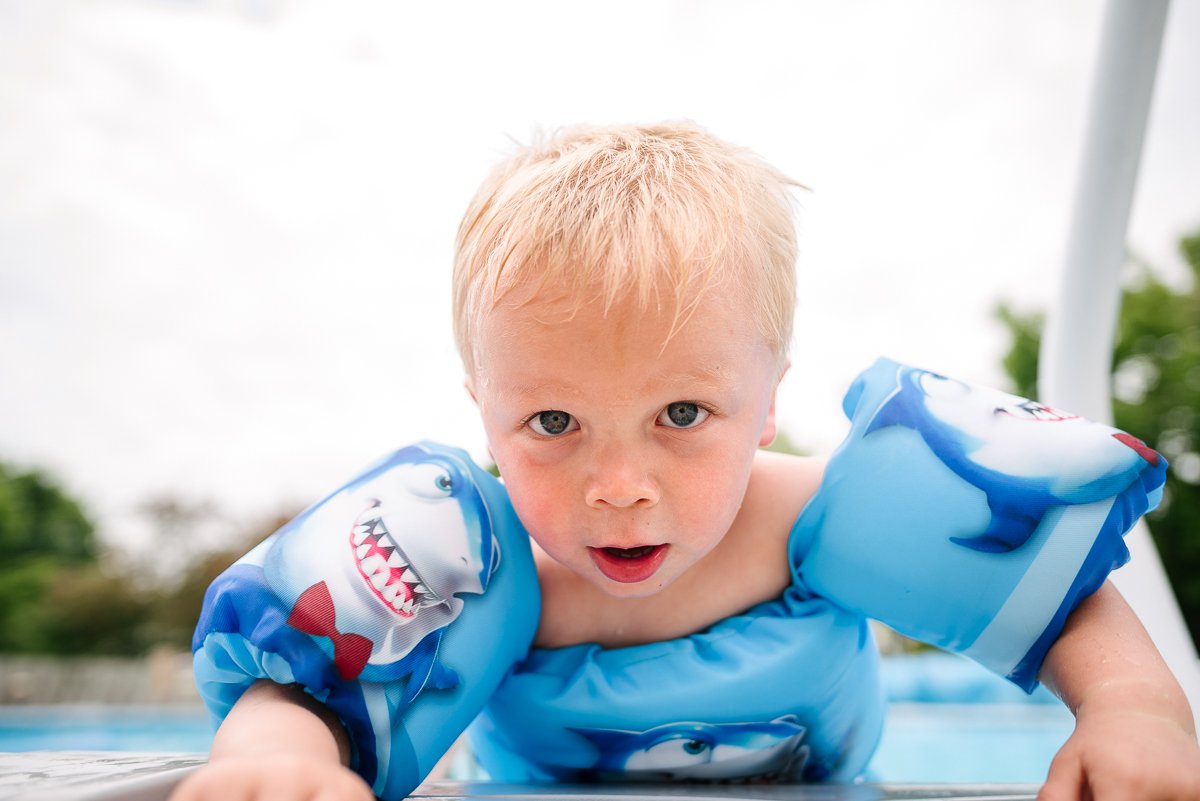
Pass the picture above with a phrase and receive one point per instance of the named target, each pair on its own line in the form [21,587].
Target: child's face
[626,458]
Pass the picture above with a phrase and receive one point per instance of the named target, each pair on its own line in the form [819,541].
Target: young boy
[623,308]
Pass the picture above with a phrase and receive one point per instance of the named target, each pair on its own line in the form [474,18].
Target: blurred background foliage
[1156,396]
[62,593]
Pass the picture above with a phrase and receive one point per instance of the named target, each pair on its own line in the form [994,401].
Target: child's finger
[1065,781]
[203,784]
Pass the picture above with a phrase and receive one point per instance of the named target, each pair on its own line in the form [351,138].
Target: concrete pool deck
[111,775]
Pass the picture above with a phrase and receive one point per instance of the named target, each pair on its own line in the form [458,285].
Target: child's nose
[621,480]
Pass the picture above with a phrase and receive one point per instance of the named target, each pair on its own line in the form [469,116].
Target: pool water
[80,727]
[949,721]
[978,743]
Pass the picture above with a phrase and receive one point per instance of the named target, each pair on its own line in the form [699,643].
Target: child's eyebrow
[525,390]
[709,375]
[707,378]
[713,375]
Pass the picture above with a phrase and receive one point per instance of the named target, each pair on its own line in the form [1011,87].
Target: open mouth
[385,567]
[629,553]
[629,565]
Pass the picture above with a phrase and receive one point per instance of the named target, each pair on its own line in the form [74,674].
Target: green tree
[1156,389]
[48,548]
[56,594]
[89,610]
[37,518]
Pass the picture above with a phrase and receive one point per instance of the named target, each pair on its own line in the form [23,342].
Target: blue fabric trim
[1107,553]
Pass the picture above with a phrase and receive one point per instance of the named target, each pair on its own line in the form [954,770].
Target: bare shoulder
[780,487]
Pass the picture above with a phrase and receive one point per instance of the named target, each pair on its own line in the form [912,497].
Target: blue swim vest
[406,601]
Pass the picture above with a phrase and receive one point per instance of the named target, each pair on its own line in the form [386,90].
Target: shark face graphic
[412,549]
[395,550]
[701,751]
[1025,456]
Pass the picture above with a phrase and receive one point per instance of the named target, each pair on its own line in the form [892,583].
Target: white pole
[1075,364]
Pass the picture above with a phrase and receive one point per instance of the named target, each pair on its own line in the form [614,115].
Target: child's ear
[768,433]
[769,428]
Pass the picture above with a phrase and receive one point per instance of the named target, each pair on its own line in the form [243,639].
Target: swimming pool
[921,743]
[949,721]
[86,727]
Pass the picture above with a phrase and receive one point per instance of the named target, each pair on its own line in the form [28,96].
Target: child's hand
[278,777]
[276,743]
[1134,734]
[1125,753]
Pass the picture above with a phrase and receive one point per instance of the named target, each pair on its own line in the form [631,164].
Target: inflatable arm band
[400,601]
[969,518]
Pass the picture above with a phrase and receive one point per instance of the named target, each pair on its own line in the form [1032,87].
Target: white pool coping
[112,775]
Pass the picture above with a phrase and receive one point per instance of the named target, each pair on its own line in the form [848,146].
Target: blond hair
[650,212]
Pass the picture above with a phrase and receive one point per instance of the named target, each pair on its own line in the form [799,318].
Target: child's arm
[1134,734]
[277,742]
[389,603]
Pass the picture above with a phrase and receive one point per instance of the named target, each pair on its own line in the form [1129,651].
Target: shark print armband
[970,518]
[399,601]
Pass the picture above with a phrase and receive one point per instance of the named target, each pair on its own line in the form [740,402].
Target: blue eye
[552,423]
[695,747]
[444,483]
[682,414]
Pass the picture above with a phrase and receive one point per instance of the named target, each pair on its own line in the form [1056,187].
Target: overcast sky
[226,227]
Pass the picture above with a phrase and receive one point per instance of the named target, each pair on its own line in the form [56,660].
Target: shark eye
[673,753]
[429,481]
[939,386]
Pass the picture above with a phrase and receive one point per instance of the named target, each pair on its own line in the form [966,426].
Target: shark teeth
[385,567]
